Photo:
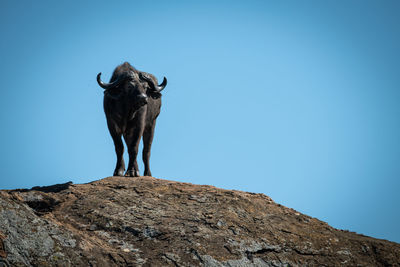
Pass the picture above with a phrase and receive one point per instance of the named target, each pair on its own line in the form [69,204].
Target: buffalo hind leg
[148,135]
[119,149]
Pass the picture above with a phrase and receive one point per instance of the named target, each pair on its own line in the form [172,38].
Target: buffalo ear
[154,95]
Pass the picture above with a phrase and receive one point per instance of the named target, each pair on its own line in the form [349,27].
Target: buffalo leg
[132,139]
[119,149]
[133,145]
[148,135]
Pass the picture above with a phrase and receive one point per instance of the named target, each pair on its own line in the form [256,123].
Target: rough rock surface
[152,222]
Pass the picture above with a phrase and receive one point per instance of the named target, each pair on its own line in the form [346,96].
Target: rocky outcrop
[151,222]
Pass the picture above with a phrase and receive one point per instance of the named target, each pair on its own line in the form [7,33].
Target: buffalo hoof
[147,173]
[119,172]
[132,173]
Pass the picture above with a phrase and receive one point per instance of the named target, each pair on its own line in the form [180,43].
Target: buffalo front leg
[148,135]
[132,139]
[132,143]
[119,149]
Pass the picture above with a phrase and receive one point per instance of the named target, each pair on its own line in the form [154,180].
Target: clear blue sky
[298,100]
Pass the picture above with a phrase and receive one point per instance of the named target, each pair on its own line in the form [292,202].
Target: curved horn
[154,86]
[108,85]
[162,85]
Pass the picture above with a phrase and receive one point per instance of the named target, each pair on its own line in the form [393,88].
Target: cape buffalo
[132,102]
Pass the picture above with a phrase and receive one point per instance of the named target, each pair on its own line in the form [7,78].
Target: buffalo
[132,103]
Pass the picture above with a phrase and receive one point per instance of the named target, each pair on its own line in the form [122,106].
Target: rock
[145,221]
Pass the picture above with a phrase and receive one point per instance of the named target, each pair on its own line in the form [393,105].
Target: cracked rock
[145,221]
